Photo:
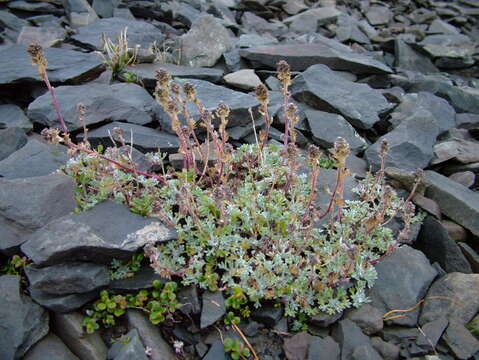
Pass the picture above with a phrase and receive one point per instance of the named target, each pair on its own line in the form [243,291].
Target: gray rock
[80,13]
[34,159]
[245,79]
[138,33]
[104,8]
[409,59]
[327,127]
[431,333]
[348,29]
[144,139]
[63,65]
[118,102]
[367,317]
[324,320]
[462,343]
[68,327]
[68,278]
[142,279]
[350,337]
[323,89]
[22,322]
[12,22]
[471,255]
[131,349]
[62,303]
[410,143]
[296,347]
[448,46]
[466,178]
[11,140]
[216,352]
[323,349]
[268,314]
[37,7]
[252,23]
[435,243]
[311,20]
[364,352]
[459,150]
[327,51]
[252,40]
[12,116]
[147,72]
[150,335]
[213,308]
[455,200]
[45,36]
[183,12]
[378,15]
[439,26]
[204,44]
[84,237]
[403,279]
[457,299]
[189,300]
[387,350]
[50,348]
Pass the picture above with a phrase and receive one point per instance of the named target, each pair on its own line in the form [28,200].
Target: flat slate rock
[11,140]
[13,116]
[138,33]
[22,322]
[144,139]
[146,72]
[130,349]
[409,59]
[323,89]
[63,66]
[328,52]
[62,303]
[350,338]
[84,237]
[118,102]
[213,308]
[50,348]
[34,159]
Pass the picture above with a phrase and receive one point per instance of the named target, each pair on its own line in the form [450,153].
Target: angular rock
[188,297]
[12,22]
[349,30]
[327,127]
[204,44]
[466,178]
[12,116]
[324,320]
[146,72]
[50,348]
[449,46]
[459,150]
[68,278]
[84,236]
[311,20]
[323,89]
[22,322]
[439,26]
[118,102]
[350,338]
[34,159]
[462,343]
[245,79]
[213,308]
[471,255]
[68,327]
[403,279]
[268,314]
[326,51]
[142,279]
[144,139]
[37,7]
[455,200]
[133,349]
[378,15]
[216,352]
[296,347]
[457,299]
[431,333]
[63,65]
[80,13]
[150,335]
[45,36]
[252,23]
[387,350]
[104,8]
[62,303]
[11,140]
[409,59]
[252,40]
[367,317]
[323,349]
[435,243]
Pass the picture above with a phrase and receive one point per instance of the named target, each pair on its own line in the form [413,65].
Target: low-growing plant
[159,302]
[14,265]
[236,349]
[124,270]
[250,220]
[117,56]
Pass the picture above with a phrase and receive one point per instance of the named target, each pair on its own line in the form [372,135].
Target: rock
[22,322]
[405,151]
[11,116]
[403,279]
[138,33]
[457,47]
[252,23]
[38,7]
[326,51]
[456,232]
[12,22]
[69,278]
[213,308]
[466,178]
[80,13]
[431,333]
[28,204]
[378,15]
[145,139]
[367,317]
[471,255]
[188,297]
[364,352]
[245,79]
[252,40]
[45,36]
[350,338]
[50,348]
[216,352]
[323,89]
[131,350]
[296,347]
[104,8]
[68,327]
[349,30]
[63,66]
[457,299]
[387,350]
[323,349]
[204,44]
[34,159]
[435,243]
[439,26]
[268,314]
[311,20]
[150,335]
[462,120]
[84,236]
[146,73]
[11,140]
[455,200]
[118,102]
[62,303]
[327,127]
[462,343]
[142,279]
[409,59]
[183,12]
[323,320]
[462,151]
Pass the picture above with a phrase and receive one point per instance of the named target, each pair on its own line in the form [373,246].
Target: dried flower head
[52,135]
[341,151]
[222,111]
[291,111]
[172,107]
[262,94]
[175,89]
[313,152]
[36,53]
[384,147]
[190,91]
[163,79]
[284,73]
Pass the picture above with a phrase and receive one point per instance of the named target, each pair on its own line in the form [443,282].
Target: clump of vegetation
[117,56]
[120,270]
[14,265]
[160,303]
[236,349]
[250,220]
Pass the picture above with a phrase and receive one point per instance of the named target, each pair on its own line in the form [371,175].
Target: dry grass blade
[238,330]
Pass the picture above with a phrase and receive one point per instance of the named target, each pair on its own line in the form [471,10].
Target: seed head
[384,146]
[284,72]
[163,79]
[291,110]
[190,91]
[262,94]
[172,107]
[36,53]
[341,151]
[52,135]
[313,152]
